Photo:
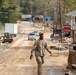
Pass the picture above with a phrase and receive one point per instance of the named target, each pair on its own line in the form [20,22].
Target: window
[46,19]
[51,19]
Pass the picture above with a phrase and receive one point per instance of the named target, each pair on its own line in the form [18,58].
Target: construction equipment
[11,29]
[7,38]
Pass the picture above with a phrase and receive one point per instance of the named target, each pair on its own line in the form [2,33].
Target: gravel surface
[14,57]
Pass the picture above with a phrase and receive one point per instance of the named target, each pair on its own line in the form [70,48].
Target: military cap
[41,33]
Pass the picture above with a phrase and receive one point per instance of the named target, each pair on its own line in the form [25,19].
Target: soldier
[39,47]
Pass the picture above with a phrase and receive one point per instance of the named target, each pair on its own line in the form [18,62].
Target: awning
[73,13]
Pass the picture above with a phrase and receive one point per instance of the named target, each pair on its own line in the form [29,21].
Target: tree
[8,8]
[66,6]
[13,17]
[0,5]
[27,6]
[44,7]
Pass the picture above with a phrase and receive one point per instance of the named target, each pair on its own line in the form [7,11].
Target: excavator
[7,38]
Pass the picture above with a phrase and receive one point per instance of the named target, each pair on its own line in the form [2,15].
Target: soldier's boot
[66,73]
[39,74]
[40,69]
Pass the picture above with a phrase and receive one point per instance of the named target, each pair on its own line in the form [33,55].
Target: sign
[67,28]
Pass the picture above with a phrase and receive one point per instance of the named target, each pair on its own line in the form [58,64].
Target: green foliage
[14,16]
[0,25]
[65,6]
[26,5]
[10,10]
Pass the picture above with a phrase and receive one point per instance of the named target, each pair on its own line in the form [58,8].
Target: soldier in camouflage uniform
[39,47]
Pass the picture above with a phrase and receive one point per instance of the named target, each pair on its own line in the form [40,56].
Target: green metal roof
[73,13]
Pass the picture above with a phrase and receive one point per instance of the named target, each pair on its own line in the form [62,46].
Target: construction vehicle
[11,28]
[7,38]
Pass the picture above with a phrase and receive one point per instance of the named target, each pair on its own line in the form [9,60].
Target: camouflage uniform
[39,48]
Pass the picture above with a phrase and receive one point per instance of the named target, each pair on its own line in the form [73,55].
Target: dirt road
[15,60]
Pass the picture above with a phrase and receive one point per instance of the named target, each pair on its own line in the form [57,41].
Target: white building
[71,19]
[27,17]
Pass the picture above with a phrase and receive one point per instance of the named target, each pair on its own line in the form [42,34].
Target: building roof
[26,16]
[39,16]
[73,13]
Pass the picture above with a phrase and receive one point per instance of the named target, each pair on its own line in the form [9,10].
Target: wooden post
[73,36]
[60,17]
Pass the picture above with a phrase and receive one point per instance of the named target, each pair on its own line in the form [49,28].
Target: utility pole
[31,4]
[64,6]
[55,16]
[31,7]
[60,12]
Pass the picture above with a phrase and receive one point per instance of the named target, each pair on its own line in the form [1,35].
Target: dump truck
[10,31]
[11,28]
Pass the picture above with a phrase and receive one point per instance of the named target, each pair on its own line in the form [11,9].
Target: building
[38,18]
[71,19]
[27,17]
[48,20]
